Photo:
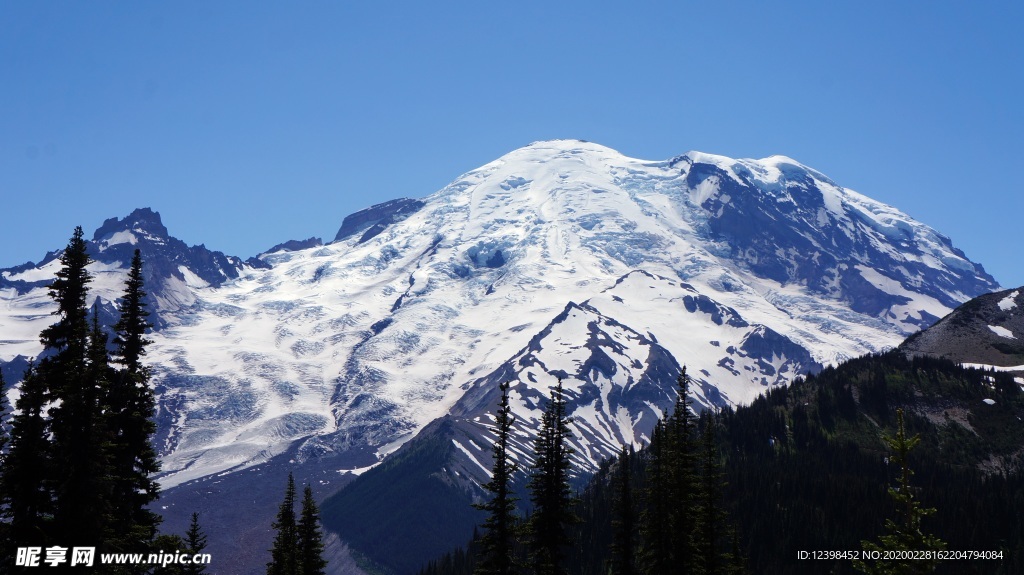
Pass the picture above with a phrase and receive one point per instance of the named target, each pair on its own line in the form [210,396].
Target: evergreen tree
[95,443]
[549,487]
[656,531]
[190,545]
[27,466]
[61,481]
[130,409]
[623,548]
[170,544]
[905,533]
[283,556]
[70,290]
[310,560]
[195,542]
[668,520]
[497,545]
[79,498]
[3,430]
[131,329]
[710,528]
[682,451]
[5,550]
[4,437]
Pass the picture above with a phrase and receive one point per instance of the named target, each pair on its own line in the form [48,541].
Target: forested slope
[806,469]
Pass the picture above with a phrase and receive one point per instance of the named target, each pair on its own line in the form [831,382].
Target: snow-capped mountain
[560,259]
[173,274]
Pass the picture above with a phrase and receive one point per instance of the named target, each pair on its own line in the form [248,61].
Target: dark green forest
[812,467]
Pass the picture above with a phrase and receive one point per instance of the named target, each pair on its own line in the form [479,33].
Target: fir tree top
[70,291]
[131,328]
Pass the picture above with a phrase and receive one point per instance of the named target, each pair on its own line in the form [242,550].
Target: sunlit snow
[366,343]
[1009,302]
[1002,331]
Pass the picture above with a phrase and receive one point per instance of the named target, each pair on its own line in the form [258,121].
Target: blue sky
[246,124]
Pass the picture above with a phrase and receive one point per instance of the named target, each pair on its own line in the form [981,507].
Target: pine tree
[27,466]
[682,451]
[3,430]
[195,542]
[668,520]
[623,547]
[94,445]
[549,487]
[192,544]
[61,478]
[711,528]
[167,544]
[283,556]
[130,408]
[497,545]
[5,534]
[4,437]
[70,291]
[656,531]
[905,533]
[131,329]
[75,412]
[310,560]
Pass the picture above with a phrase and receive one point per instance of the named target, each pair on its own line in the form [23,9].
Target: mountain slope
[987,330]
[562,258]
[777,450]
[173,274]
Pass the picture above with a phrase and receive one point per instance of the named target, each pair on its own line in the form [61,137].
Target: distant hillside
[988,330]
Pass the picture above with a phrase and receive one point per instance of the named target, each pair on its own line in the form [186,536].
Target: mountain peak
[561,147]
[141,223]
[173,269]
[565,144]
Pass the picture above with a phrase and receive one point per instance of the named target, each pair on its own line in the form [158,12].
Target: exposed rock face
[296,245]
[375,219]
[803,228]
[988,330]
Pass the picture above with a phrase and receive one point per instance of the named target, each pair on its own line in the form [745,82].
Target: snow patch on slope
[1009,302]
[1002,331]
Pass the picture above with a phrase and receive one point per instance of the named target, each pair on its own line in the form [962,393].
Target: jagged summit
[171,265]
[142,222]
[173,273]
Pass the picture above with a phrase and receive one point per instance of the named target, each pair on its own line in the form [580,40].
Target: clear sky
[246,124]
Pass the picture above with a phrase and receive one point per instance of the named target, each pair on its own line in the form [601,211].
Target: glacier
[562,259]
[367,339]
